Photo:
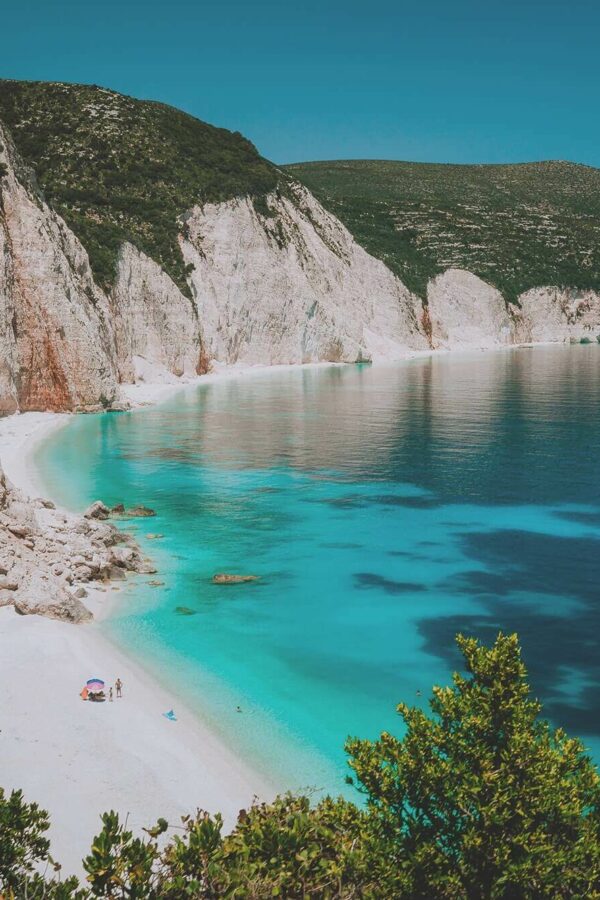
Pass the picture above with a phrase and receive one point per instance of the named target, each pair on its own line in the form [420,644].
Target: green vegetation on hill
[516,226]
[120,169]
[480,800]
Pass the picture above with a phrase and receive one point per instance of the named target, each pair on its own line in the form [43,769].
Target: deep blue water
[384,509]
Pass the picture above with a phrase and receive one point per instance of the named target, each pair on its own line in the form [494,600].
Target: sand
[76,758]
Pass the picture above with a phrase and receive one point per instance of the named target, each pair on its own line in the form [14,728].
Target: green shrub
[515,226]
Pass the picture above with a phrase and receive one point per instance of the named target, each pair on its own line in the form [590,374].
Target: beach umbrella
[95,685]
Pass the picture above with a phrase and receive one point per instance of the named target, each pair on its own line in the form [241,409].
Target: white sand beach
[75,758]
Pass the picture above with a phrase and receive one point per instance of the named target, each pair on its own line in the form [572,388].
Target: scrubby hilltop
[119,169]
[515,226]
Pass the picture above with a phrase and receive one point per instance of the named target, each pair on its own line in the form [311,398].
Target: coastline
[77,759]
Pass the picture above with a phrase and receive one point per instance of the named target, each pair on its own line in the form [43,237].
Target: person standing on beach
[110,694]
[119,686]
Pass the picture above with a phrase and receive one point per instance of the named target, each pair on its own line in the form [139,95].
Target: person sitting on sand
[119,687]
[84,692]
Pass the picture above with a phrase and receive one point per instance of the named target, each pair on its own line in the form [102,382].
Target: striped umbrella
[95,685]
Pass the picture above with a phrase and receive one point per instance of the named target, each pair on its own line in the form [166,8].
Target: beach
[78,759]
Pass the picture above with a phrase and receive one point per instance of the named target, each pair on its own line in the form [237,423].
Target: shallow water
[384,509]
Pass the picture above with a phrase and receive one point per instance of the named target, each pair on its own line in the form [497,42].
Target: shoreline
[77,763]
[78,760]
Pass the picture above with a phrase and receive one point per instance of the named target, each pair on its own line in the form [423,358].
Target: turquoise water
[384,509]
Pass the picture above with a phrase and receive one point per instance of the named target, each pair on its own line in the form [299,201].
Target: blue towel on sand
[170,716]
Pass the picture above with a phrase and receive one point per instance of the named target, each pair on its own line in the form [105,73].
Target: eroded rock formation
[47,555]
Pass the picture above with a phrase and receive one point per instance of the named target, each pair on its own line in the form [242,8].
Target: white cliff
[153,322]
[466,313]
[293,286]
[275,281]
[558,314]
[55,331]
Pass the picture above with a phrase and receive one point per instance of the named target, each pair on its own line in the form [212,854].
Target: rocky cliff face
[280,281]
[55,330]
[152,320]
[465,312]
[288,284]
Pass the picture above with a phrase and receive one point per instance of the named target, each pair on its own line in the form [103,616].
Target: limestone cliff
[275,281]
[55,330]
[152,320]
[289,284]
[464,312]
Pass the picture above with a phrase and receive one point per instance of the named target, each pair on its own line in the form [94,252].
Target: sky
[454,81]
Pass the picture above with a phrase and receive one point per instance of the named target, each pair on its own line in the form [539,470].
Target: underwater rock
[222,578]
[136,512]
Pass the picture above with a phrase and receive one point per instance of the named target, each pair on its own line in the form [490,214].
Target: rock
[7,585]
[122,556]
[97,510]
[185,611]
[119,508]
[154,537]
[45,504]
[156,583]
[222,578]
[138,512]
[44,552]
[38,596]
[341,304]
[78,561]
[157,330]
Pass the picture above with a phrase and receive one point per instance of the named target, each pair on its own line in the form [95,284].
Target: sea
[384,509]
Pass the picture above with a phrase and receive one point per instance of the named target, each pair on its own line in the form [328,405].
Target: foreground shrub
[480,799]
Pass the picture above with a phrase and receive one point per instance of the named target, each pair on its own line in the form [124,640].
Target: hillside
[515,226]
[120,169]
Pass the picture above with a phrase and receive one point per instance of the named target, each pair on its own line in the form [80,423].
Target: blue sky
[459,81]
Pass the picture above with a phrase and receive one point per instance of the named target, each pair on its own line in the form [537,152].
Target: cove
[385,509]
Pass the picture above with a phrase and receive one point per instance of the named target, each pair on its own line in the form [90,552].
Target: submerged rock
[223,578]
[185,611]
[135,512]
